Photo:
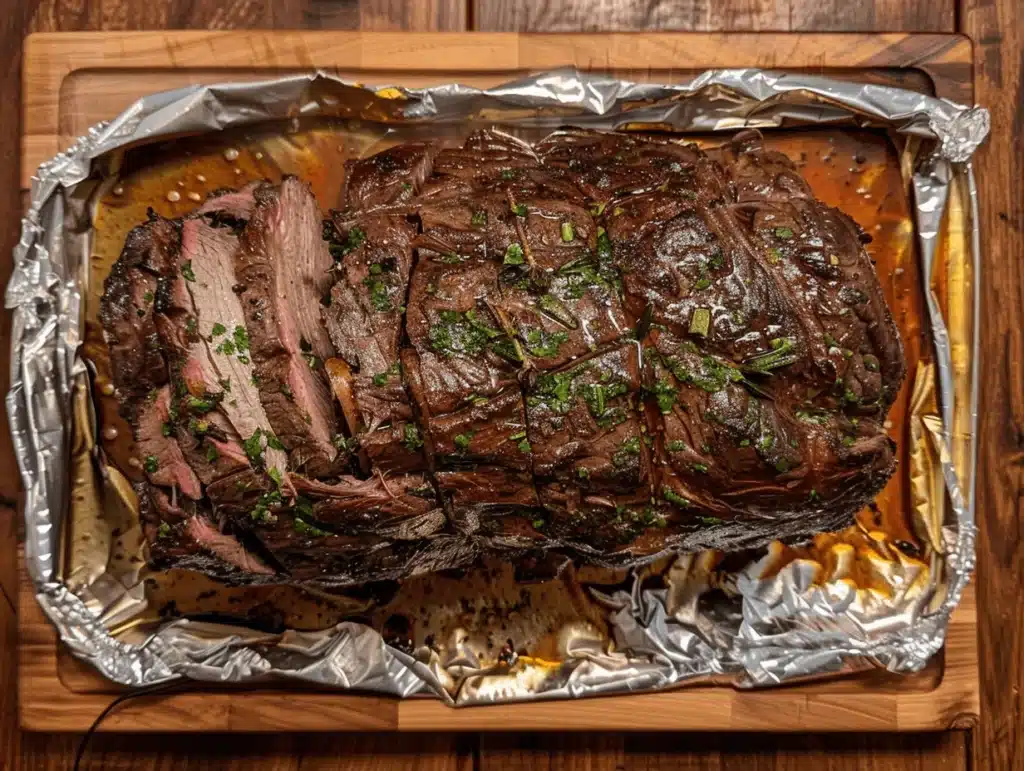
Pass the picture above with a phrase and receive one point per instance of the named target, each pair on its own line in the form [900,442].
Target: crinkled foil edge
[668,648]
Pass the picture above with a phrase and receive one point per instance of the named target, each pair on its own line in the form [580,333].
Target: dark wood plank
[66,15]
[674,752]
[997,28]
[704,16]
[212,752]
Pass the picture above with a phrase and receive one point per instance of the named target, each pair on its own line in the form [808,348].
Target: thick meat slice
[731,453]
[495,502]
[183,536]
[126,309]
[364,318]
[212,448]
[583,425]
[282,272]
[223,340]
[821,267]
[461,349]
[161,456]
[390,176]
[488,431]
[229,208]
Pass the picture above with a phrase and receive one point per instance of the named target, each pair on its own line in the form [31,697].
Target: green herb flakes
[411,437]
[673,497]
[479,219]
[700,322]
[187,272]
[514,255]
[784,233]
[462,441]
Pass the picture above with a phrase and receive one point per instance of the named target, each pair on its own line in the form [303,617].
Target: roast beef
[606,346]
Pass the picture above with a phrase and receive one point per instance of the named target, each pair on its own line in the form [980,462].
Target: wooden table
[997,29]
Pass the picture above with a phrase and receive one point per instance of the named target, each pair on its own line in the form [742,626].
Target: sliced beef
[364,315]
[604,346]
[126,308]
[222,340]
[387,177]
[184,536]
[282,269]
[158,450]
[584,428]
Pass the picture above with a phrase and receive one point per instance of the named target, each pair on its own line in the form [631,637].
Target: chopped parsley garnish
[147,297]
[556,309]
[508,173]
[411,437]
[261,511]
[151,464]
[514,255]
[163,530]
[451,258]
[201,405]
[345,444]
[702,283]
[462,441]
[700,468]
[676,445]
[700,321]
[165,428]
[253,447]
[479,219]
[870,363]
[781,355]
[543,344]
[672,496]
[218,329]
[774,256]
[379,297]
[211,453]
[711,520]
[187,272]
[784,232]
[519,209]
[626,452]
[524,446]
[191,326]
[465,333]
[302,527]
[276,476]
[381,378]
[339,249]
[666,395]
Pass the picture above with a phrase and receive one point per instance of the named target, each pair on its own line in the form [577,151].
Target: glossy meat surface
[606,345]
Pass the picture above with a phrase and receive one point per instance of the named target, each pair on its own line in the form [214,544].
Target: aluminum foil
[689,618]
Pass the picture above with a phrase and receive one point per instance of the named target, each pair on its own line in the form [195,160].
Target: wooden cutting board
[74,80]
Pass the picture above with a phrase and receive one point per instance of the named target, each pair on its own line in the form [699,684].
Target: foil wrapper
[784,615]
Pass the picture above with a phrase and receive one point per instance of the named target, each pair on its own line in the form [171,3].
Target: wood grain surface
[995,27]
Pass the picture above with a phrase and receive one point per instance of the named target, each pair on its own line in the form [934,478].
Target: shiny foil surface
[878,594]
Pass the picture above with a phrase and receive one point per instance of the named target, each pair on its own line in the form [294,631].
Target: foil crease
[765,626]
